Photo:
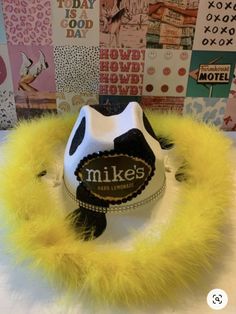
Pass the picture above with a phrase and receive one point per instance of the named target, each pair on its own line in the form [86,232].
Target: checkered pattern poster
[169,55]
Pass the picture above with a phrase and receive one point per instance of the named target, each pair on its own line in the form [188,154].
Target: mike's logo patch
[114,177]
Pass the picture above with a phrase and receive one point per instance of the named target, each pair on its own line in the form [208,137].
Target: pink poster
[28,22]
[33,68]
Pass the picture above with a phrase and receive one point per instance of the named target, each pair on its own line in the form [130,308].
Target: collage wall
[169,55]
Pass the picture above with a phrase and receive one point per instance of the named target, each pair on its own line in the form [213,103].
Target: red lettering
[64,23]
[134,79]
[135,67]
[134,90]
[60,3]
[103,90]
[73,13]
[125,67]
[104,78]
[124,54]
[104,66]
[124,78]
[114,54]
[114,78]
[113,90]
[114,66]
[70,33]
[123,90]
[136,54]
[104,54]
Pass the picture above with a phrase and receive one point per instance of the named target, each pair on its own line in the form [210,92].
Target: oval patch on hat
[114,177]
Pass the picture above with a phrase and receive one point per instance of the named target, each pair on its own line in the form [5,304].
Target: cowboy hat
[164,256]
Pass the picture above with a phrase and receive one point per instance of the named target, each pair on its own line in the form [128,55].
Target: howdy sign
[121,71]
[214,73]
[114,177]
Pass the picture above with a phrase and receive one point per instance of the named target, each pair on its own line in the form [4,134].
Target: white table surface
[22,292]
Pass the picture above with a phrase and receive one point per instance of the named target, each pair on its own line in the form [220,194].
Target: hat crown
[111,146]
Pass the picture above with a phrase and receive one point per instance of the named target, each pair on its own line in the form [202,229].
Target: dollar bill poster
[172,24]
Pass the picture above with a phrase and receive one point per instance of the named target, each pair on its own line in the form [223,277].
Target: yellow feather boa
[155,269]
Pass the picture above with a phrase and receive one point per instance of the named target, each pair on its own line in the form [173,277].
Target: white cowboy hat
[112,163]
[179,236]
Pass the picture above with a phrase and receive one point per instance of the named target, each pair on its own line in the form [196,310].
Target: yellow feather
[155,270]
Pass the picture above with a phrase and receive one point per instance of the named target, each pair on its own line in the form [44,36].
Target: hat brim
[157,266]
[121,227]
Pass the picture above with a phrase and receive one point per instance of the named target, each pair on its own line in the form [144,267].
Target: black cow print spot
[89,224]
[84,195]
[78,137]
[134,143]
[110,110]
